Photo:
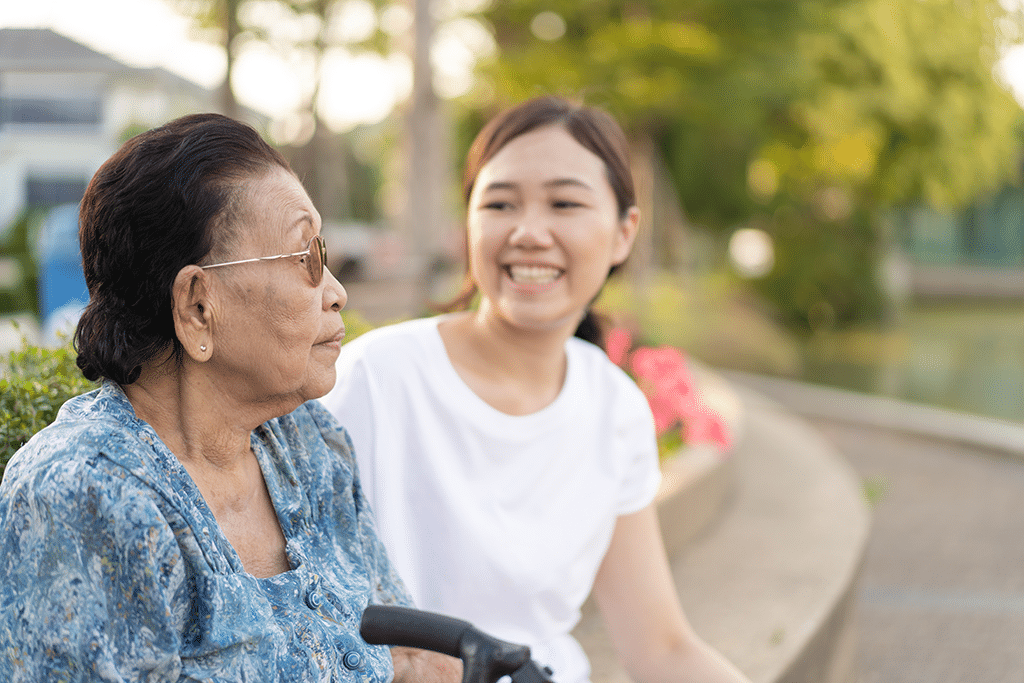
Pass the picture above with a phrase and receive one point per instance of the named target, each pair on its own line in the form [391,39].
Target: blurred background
[831,189]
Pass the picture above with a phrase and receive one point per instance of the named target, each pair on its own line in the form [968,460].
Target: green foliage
[825,275]
[904,104]
[711,318]
[15,244]
[875,490]
[34,383]
[356,324]
[704,78]
[804,117]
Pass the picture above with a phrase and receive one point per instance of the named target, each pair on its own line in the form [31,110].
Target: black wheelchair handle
[485,658]
[403,626]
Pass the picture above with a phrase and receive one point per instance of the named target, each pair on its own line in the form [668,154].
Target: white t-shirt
[497,519]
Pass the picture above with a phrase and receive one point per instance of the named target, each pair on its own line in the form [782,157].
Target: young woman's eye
[566,204]
[498,205]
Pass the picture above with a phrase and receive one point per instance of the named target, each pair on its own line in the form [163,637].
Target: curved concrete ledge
[1004,436]
[771,580]
[697,483]
[695,487]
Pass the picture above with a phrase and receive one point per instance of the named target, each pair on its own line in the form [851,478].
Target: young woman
[511,465]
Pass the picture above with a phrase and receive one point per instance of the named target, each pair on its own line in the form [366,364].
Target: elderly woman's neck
[195,421]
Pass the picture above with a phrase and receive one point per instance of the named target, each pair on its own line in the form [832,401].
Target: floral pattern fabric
[114,568]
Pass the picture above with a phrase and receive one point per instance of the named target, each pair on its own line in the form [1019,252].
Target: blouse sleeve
[90,573]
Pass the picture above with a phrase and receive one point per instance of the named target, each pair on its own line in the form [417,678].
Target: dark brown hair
[592,128]
[163,201]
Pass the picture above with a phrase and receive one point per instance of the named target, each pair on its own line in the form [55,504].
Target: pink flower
[665,368]
[706,425]
[618,343]
[664,377]
[664,411]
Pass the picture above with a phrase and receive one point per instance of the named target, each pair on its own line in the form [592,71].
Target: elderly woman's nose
[335,296]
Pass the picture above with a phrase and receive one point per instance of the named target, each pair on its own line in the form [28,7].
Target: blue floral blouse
[114,569]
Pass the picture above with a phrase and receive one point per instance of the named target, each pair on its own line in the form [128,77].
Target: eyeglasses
[317,253]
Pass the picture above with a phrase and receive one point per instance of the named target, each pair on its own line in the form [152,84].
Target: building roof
[41,49]
[45,50]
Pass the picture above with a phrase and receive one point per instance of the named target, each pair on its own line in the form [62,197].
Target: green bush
[826,273]
[34,383]
[356,325]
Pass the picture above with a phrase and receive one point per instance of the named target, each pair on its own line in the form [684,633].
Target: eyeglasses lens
[318,257]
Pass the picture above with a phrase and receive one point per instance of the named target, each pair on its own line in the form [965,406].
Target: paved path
[942,592]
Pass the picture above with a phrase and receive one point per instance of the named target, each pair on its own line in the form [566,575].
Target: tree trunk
[425,219]
[228,103]
[641,260]
[665,240]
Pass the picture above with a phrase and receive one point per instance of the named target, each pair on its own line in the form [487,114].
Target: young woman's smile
[533,276]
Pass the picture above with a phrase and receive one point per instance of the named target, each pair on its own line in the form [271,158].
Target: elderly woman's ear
[192,310]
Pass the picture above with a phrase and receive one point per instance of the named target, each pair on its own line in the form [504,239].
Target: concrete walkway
[941,596]
[942,591]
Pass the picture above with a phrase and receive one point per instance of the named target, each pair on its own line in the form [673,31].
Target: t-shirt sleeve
[91,571]
[641,471]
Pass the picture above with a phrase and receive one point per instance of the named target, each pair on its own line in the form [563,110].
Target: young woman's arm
[637,597]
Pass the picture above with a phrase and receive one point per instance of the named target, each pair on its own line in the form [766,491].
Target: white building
[65,108]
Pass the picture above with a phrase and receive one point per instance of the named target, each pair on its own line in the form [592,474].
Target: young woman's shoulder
[398,342]
[600,374]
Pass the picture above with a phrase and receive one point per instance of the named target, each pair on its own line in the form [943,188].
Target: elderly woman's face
[279,334]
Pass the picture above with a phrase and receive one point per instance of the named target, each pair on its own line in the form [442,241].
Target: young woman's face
[544,229]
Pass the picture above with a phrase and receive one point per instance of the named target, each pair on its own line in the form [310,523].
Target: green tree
[16,253]
[219,17]
[901,107]
[302,32]
[702,78]
[805,117]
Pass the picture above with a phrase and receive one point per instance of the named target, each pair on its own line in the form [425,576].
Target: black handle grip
[407,627]
[485,658]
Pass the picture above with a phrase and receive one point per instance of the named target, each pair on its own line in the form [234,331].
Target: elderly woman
[198,517]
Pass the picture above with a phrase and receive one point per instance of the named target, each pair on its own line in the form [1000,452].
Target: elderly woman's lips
[334,340]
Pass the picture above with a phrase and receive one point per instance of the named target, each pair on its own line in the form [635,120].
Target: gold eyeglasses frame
[317,250]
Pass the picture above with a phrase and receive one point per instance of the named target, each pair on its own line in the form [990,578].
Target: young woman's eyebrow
[501,185]
[563,182]
[554,183]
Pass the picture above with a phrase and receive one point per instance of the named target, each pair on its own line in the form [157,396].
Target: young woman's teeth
[533,275]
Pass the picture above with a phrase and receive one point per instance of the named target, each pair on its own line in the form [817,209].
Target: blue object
[60,261]
[62,290]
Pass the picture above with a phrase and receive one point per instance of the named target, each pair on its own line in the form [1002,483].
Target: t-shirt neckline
[472,401]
